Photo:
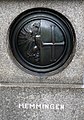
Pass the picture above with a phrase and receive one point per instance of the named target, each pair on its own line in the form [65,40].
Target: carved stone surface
[71,104]
[73,10]
[72,99]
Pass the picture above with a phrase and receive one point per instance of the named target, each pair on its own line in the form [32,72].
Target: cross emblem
[53,43]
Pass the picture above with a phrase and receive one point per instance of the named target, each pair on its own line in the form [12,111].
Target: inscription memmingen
[41,106]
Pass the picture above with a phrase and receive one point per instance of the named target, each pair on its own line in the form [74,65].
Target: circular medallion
[42,40]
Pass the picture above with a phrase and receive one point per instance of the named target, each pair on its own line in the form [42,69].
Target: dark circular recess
[41,39]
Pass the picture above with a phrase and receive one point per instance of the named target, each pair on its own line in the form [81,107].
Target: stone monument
[25,95]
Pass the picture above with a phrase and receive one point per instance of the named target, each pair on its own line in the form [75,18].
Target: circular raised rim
[56,68]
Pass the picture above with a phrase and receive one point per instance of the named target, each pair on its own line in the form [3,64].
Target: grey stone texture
[13,79]
[72,99]
[73,10]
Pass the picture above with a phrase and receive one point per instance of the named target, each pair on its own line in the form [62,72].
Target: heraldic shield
[41,40]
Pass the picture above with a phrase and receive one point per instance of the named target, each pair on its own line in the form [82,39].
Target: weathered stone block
[73,10]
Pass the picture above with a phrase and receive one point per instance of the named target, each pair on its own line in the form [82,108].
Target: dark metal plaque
[41,40]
